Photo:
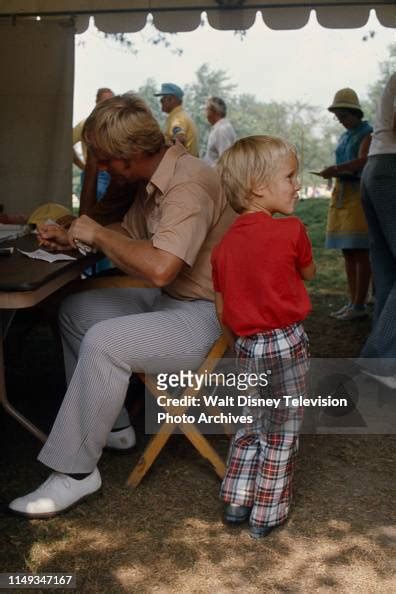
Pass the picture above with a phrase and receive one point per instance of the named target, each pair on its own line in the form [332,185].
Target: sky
[308,64]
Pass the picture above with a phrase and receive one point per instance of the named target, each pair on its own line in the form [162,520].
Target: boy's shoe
[339,312]
[236,514]
[260,531]
[57,494]
[353,314]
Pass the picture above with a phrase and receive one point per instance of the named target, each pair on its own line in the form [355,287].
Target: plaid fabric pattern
[262,455]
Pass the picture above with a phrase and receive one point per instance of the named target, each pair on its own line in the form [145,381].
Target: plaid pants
[262,455]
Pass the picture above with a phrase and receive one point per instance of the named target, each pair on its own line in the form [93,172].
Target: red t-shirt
[256,269]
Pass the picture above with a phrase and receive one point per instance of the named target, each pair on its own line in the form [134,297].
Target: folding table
[24,283]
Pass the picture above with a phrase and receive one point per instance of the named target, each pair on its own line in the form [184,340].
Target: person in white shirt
[379,202]
[222,134]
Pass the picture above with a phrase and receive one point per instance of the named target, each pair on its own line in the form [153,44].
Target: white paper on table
[46,256]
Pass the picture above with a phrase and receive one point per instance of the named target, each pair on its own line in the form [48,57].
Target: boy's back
[256,268]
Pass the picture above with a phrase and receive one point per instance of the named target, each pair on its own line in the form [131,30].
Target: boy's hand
[308,273]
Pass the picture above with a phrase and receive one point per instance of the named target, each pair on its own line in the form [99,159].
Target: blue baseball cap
[170,89]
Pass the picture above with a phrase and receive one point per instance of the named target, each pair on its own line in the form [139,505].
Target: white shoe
[57,494]
[339,312]
[386,380]
[353,314]
[124,439]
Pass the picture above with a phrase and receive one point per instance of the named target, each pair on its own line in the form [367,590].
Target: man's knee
[101,339]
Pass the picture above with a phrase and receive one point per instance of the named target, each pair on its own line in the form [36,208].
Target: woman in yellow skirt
[346,223]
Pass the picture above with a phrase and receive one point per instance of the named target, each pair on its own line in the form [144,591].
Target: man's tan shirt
[183,212]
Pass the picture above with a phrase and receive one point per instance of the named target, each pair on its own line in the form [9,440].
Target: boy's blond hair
[122,127]
[249,163]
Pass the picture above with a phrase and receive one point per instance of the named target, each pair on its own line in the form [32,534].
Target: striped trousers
[262,455]
[108,334]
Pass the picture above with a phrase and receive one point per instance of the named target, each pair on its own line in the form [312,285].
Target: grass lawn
[330,276]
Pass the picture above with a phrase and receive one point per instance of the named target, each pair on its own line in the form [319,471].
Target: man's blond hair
[249,163]
[121,127]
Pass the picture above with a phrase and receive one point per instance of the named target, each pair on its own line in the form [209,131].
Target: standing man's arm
[179,135]
[77,161]
[225,138]
[77,135]
[88,190]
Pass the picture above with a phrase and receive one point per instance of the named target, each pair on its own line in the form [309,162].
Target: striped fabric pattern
[108,334]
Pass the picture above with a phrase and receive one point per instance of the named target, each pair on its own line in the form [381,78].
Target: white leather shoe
[386,380]
[57,494]
[124,439]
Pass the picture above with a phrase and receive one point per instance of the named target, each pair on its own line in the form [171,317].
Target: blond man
[166,238]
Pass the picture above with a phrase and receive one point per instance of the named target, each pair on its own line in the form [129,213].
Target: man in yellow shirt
[179,126]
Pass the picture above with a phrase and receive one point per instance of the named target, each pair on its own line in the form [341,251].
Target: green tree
[147,92]
[306,126]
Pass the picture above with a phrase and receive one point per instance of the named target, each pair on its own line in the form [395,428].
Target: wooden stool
[198,440]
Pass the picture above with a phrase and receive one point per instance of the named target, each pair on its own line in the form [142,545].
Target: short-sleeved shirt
[77,137]
[179,122]
[256,269]
[384,136]
[221,137]
[183,212]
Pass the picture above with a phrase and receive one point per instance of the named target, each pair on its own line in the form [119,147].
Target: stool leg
[149,455]
[205,449]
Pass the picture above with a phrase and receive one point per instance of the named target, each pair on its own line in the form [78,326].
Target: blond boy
[259,269]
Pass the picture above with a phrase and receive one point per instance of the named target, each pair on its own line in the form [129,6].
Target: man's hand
[53,237]
[84,229]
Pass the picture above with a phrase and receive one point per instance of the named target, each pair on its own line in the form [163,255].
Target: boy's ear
[259,189]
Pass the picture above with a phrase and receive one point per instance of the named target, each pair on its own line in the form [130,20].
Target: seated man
[178,214]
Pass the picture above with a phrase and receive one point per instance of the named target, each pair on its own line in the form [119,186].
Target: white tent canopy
[37,65]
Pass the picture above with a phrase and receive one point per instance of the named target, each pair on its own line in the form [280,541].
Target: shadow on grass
[167,535]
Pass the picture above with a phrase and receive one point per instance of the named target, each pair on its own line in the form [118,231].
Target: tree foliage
[304,125]
[307,126]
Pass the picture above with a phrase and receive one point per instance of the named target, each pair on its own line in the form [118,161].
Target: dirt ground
[166,536]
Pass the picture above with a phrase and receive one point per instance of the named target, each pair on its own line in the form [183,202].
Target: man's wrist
[98,236]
